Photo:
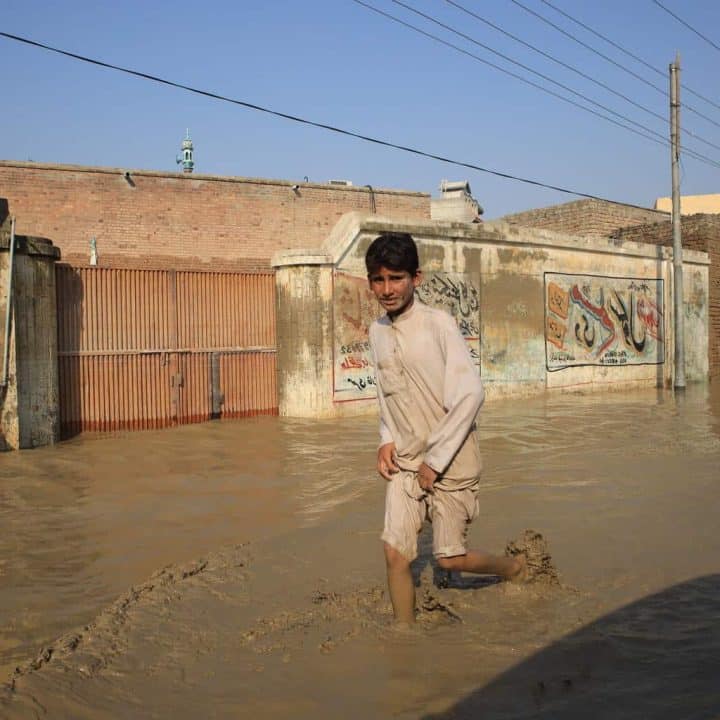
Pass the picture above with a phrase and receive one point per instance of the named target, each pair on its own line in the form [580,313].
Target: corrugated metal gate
[144,349]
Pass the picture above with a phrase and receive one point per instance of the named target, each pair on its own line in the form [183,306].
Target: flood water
[274,604]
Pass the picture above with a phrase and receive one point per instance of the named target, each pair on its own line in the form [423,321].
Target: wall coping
[188,177]
[497,232]
[511,217]
[289,258]
[27,245]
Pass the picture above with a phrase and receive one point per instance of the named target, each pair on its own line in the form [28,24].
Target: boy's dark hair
[393,250]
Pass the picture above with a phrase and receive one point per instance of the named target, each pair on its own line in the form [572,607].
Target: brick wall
[595,218]
[699,232]
[157,219]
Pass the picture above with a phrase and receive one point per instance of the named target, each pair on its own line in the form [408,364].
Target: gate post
[29,404]
[304,292]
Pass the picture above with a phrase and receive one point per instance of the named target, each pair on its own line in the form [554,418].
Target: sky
[339,63]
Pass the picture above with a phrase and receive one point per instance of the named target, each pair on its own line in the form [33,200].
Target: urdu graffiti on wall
[595,320]
[355,308]
[457,294]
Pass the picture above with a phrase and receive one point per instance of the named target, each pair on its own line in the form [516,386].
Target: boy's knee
[450,563]
[394,558]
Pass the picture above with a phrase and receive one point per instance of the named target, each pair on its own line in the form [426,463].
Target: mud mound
[541,568]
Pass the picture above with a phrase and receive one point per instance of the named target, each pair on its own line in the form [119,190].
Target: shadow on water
[658,657]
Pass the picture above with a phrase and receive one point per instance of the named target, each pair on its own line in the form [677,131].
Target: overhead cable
[657,71]
[687,25]
[622,67]
[577,71]
[653,136]
[295,118]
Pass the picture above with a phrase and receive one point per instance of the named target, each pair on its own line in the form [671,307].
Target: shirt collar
[408,314]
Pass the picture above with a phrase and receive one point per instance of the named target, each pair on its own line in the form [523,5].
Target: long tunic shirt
[429,393]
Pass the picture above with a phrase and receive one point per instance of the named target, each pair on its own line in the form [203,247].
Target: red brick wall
[699,232]
[588,217]
[182,221]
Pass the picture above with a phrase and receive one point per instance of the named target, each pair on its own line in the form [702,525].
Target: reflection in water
[332,462]
[624,486]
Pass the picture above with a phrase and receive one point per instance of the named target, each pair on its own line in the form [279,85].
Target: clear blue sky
[336,62]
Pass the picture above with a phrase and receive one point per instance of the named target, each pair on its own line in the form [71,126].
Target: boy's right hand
[386,465]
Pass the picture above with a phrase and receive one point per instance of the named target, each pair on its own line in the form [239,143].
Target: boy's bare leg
[476,561]
[400,585]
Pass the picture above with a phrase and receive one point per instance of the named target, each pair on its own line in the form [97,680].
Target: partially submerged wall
[538,310]
[699,232]
[145,219]
[29,415]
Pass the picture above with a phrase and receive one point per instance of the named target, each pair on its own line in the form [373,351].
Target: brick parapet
[594,218]
[160,219]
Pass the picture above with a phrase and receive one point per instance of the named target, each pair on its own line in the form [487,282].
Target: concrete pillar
[29,403]
[304,296]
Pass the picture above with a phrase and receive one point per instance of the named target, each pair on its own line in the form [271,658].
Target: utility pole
[676,227]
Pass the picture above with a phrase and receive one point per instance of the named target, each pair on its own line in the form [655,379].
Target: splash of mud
[540,566]
[432,609]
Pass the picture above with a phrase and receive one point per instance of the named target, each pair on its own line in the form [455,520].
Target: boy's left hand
[426,478]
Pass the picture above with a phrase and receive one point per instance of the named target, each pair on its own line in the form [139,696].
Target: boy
[429,394]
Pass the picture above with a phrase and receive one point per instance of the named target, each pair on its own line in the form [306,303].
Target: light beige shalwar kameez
[429,393]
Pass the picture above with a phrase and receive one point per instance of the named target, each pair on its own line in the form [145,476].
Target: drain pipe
[373,207]
[8,308]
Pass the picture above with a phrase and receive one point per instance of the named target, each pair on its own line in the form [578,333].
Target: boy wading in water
[429,393]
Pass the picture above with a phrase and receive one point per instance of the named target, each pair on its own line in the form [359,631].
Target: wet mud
[534,547]
[271,601]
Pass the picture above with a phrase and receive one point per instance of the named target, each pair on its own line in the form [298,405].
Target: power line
[576,70]
[551,57]
[608,59]
[295,118]
[505,71]
[627,52]
[687,25]
[658,138]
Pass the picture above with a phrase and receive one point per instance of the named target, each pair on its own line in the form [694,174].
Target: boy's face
[394,289]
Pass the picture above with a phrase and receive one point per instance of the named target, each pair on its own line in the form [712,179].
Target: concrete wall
[304,332]
[592,218]
[29,404]
[699,232]
[538,310]
[691,204]
[174,220]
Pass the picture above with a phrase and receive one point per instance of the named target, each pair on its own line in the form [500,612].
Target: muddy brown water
[233,569]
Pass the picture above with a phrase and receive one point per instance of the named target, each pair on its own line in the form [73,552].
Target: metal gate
[142,349]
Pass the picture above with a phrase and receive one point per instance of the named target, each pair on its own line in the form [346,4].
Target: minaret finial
[187,154]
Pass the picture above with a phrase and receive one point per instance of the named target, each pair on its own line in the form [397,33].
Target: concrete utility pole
[676,227]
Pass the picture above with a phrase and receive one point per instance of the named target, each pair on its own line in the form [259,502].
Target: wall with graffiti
[609,321]
[355,308]
[539,311]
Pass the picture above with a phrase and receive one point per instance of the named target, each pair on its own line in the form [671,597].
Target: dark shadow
[444,578]
[658,657]
[70,295]
[4,214]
